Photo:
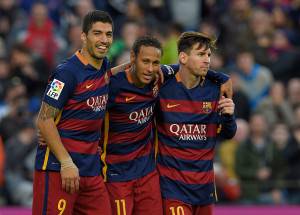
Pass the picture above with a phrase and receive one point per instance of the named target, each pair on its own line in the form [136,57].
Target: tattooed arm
[46,125]
[115,70]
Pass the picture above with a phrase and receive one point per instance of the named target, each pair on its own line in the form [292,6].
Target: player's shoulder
[119,77]
[169,69]
[69,66]
[210,81]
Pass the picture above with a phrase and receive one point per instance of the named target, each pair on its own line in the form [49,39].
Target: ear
[183,57]
[83,37]
[132,57]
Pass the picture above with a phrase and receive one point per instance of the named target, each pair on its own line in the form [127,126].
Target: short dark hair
[190,38]
[95,16]
[146,41]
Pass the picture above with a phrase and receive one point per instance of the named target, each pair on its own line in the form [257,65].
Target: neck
[134,77]
[188,79]
[97,63]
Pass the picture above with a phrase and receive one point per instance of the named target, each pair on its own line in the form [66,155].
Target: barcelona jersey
[80,91]
[129,151]
[187,124]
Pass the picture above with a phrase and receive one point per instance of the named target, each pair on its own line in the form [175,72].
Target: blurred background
[258,46]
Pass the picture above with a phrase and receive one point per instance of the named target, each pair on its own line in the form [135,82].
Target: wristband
[67,163]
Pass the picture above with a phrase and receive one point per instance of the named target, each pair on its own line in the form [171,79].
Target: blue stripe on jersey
[130,170]
[80,135]
[174,90]
[209,143]
[88,165]
[45,203]
[175,117]
[84,114]
[189,165]
[189,193]
[126,148]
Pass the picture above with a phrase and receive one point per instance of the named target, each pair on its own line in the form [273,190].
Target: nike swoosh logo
[128,99]
[89,86]
[172,106]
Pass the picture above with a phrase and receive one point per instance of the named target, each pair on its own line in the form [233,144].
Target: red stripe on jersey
[77,124]
[93,84]
[80,146]
[186,154]
[75,105]
[175,130]
[187,177]
[90,103]
[183,106]
[115,137]
[142,151]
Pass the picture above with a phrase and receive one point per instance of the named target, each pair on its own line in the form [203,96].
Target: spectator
[253,79]
[234,24]
[275,107]
[20,164]
[255,162]
[226,178]
[292,153]
[16,103]
[31,70]
[2,163]
[293,92]
[122,46]
[39,35]
[283,57]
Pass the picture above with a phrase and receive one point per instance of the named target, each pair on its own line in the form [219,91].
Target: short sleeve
[169,71]
[219,77]
[60,87]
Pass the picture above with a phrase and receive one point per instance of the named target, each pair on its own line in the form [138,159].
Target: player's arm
[47,127]
[228,124]
[222,79]
[115,70]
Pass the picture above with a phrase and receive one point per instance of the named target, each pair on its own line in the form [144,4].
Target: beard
[94,55]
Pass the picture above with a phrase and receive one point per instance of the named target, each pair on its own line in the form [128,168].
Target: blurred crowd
[258,46]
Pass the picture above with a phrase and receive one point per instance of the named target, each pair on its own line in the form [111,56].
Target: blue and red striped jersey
[187,123]
[80,91]
[129,146]
[129,151]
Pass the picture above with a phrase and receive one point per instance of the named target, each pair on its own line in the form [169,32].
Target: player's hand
[159,76]
[69,176]
[41,140]
[226,89]
[226,106]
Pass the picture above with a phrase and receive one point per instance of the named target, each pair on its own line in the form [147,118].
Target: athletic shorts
[49,198]
[176,207]
[136,197]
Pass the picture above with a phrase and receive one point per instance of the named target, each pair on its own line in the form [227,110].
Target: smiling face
[98,40]
[147,63]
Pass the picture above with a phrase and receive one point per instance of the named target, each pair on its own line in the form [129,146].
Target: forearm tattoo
[47,111]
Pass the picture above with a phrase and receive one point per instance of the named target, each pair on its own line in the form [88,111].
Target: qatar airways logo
[142,116]
[189,131]
[97,103]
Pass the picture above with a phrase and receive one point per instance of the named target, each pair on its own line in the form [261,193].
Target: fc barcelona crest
[155,91]
[207,107]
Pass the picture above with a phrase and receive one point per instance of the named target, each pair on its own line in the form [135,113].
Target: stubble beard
[94,55]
